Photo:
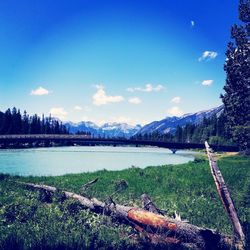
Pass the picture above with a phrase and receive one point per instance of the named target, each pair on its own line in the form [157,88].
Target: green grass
[27,222]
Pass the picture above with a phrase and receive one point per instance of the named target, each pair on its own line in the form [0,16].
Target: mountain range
[108,129]
[169,124]
[166,125]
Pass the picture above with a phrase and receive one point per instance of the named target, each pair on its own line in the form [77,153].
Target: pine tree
[12,122]
[7,122]
[25,123]
[237,88]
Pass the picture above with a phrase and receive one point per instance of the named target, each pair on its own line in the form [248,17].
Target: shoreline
[186,189]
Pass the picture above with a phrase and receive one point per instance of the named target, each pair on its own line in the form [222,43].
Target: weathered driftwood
[171,230]
[226,198]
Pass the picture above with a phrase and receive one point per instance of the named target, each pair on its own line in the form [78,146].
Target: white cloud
[147,88]
[101,98]
[87,108]
[175,111]
[158,88]
[192,23]
[208,55]
[134,100]
[176,99]
[207,82]
[58,112]
[39,91]
[77,108]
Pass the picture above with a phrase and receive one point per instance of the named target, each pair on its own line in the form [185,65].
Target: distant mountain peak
[169,124]
[109,129]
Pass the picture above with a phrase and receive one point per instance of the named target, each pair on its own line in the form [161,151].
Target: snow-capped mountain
[166,125]
[169,124]
[108,129]
[119,129]
[81,127]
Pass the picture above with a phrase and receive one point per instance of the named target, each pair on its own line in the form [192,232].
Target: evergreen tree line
[210,129]
[13,122]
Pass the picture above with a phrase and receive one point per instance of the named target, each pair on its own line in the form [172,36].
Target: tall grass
[26,221]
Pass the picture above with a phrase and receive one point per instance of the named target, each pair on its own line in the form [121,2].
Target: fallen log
[170,230]
[226,199]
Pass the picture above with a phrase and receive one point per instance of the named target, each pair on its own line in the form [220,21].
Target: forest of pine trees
[211,129]
[13,122]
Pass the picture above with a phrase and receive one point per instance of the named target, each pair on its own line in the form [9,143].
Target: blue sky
[129,61]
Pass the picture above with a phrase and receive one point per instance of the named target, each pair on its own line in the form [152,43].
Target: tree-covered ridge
[211,129]
[13,122]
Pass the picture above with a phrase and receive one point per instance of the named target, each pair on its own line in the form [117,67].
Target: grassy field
[27,222]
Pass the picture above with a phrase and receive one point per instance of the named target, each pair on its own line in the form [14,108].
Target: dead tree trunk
[226,198]
[174,231]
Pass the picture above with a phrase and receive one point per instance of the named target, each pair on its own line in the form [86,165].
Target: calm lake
[64,160]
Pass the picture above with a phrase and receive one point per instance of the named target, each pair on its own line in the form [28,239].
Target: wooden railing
[30,138]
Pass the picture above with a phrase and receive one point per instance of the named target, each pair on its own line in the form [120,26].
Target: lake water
[63,160]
